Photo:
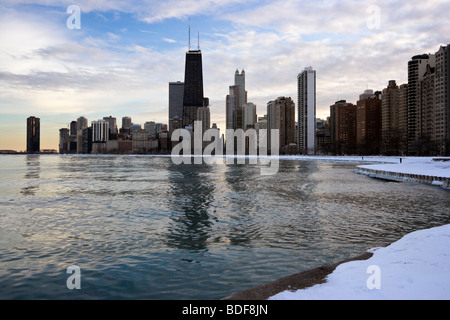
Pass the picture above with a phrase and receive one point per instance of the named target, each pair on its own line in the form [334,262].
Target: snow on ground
[410,165]
[416,267]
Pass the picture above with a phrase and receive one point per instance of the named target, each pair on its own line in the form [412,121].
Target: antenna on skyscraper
[198,40]
[189,45]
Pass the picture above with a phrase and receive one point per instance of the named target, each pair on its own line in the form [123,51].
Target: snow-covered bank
[433,170]
[416,267]
[415,166]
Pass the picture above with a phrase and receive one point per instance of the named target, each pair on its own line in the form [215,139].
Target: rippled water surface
[141,227]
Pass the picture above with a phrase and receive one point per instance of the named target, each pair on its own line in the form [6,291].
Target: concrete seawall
[405,177]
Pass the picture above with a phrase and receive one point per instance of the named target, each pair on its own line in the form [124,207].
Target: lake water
[141,227]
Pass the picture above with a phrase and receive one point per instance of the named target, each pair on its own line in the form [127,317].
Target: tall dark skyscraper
[193,87]
[176,92]
[33,134]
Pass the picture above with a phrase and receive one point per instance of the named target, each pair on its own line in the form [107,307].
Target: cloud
[169,40]
[46,68]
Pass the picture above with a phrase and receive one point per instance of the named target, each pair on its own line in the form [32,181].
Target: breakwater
[443,182]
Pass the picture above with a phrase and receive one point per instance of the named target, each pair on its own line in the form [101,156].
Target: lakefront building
[368,120]
[306,85]
[281,116]
[193,97]
[176,92]
[394,124]
[33,134]
[343,127]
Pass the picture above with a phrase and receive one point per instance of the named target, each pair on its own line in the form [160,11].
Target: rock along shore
[301,280]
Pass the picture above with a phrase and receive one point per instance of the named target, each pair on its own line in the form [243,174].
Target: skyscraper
[176,92]
[193,87]
[112,126]
[429,103]
[236,98]
[248,115]
[417,67]
[368,122]
[203,115]
[306,82]
[394,118]
[33,134]
[82,123]
[442,98]
[126,123]
[281,116]
[343,126]
[100,131]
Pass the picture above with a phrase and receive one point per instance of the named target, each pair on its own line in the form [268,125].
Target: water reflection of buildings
[192,194]
[32,175]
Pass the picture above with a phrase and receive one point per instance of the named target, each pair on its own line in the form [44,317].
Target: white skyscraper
[100,131]
[306,82]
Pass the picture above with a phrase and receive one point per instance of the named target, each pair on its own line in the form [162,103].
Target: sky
[124,53]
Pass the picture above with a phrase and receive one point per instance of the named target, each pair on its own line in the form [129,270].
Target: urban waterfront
[141,227]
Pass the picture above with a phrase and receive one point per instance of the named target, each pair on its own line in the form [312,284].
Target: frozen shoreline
[416,267]
[432,170]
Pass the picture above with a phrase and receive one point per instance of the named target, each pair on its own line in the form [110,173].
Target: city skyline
[122,58]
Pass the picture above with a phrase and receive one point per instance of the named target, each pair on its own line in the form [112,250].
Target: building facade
[368,122]
[176,93]
[33,134]
[343,127]
[306,85]
[193,97]
[100,131]
[442,100]
[394,121]
[281,116]
[249,117]
[235,100]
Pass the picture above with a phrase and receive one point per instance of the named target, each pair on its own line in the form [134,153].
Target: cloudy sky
[125,53]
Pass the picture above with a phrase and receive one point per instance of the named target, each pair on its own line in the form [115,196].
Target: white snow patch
[416,267]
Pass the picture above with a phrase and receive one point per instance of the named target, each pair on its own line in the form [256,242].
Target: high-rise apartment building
[394,118]
[64,140]
[417,67]
[368,122]
[306,85]
[429,103]
[176,93]
[82,123]
[33,134]
[442,100]
[343,126]
[281,116]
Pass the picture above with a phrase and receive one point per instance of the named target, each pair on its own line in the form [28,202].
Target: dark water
[142,227]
